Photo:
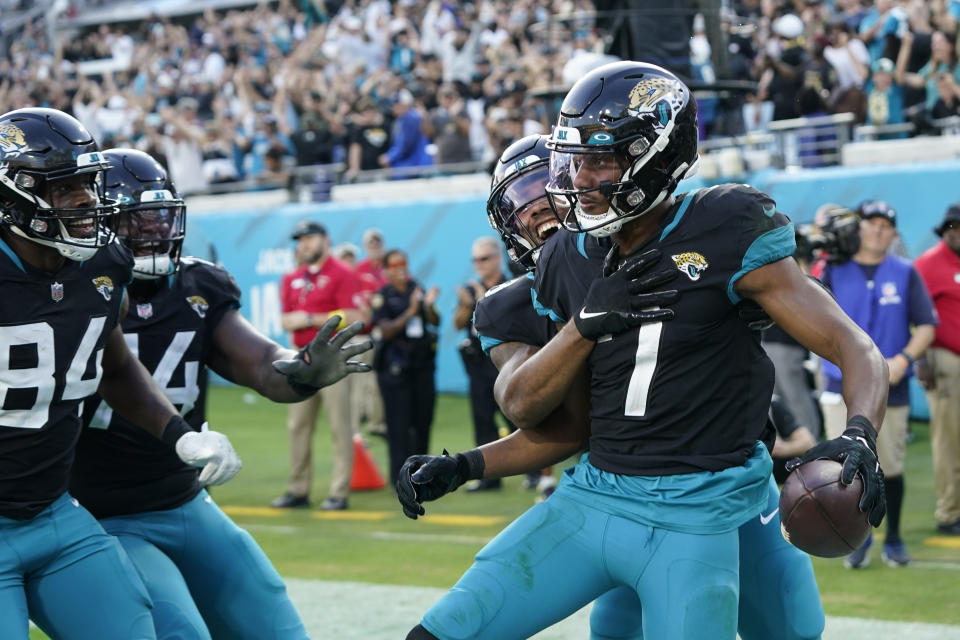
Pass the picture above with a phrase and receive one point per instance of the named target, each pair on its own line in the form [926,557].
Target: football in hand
[820,515]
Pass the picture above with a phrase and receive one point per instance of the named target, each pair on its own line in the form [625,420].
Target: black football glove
[425,478]
[325,361]
[856,448]
[623,298]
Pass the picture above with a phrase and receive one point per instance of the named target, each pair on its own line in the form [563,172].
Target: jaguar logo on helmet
[198,304]
[649,91]
[104,286]
[691,264]
[12,139]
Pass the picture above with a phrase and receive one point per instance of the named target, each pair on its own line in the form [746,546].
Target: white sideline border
[351,610]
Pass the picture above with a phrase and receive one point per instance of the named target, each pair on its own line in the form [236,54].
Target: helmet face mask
[517,206]
[152,219]
[640,116]
[47,158]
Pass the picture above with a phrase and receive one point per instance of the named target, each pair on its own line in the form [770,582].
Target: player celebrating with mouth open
[678,407]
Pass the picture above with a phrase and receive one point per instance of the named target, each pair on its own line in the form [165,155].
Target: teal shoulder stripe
[581,247]
[542,310]
[488,343]
[682,210]
[14,257]
[773,245]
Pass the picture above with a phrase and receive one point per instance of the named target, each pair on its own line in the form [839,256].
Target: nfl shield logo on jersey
[145,311]
[56,291]
[104,285]
[198,304]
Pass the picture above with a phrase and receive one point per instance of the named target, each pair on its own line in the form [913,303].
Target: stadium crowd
[368,84]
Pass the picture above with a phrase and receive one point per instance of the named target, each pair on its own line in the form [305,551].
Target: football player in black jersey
[63,281]
[211,576]
[676,408]
[510,331]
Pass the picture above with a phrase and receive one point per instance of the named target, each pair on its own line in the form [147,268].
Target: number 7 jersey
[53,329]
[690,394]
[121,469]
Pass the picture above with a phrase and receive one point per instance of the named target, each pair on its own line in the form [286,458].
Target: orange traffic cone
[365,473]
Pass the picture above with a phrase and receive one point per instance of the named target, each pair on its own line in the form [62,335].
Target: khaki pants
[944,403]
[891,441]
[365,396]
[301,422]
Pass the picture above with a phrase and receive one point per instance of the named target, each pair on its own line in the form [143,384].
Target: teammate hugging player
[677,408]
[210,576]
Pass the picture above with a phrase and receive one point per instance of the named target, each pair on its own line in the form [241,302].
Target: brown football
[820,515]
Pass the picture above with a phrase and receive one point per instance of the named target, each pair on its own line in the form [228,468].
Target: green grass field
[373,542]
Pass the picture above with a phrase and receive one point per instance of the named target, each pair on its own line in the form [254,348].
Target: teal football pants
[563,553]
[62,570]
[203,573]
[779,599]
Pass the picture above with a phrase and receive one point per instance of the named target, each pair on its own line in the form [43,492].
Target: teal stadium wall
[254,244]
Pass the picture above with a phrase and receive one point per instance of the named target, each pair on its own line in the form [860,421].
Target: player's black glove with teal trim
[426,478]
[856,448]
[625,298]
[325,361]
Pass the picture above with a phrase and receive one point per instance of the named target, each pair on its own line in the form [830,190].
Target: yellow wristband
[343,317]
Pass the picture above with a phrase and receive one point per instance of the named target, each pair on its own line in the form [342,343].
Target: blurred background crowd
[372,89]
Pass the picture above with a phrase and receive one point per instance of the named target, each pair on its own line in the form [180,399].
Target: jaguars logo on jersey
[12,139]
[691,264]
[198,304]
[104,285]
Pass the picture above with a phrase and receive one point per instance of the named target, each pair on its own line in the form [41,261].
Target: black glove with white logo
[856,448]
[625,298]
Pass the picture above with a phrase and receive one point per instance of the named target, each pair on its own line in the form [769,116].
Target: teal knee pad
[464,613]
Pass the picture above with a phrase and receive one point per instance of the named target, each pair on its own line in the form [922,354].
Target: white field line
[332,610]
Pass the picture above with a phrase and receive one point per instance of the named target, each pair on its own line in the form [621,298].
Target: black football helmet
[518,184]
[152,218]
[640,114]
[39,147]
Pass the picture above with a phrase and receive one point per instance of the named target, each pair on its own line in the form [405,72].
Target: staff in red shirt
[370,268]
[323,286]
[939,372]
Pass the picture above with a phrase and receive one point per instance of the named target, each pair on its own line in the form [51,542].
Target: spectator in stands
[448,126]
[939,371]
[882,26]
[885,94]
[847,55]
[886,297]
[182,143]
[368,139]
[943,59]
[948,104]
[779,66]
[406,319]
[409,144]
